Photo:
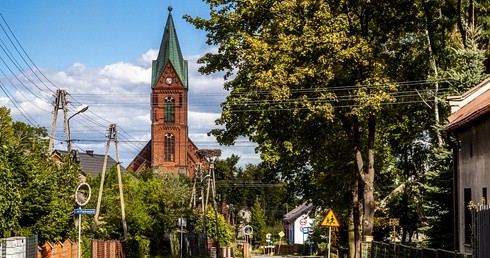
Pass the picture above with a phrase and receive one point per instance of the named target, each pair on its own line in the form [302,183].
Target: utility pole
[210,155]
[59,103]
[194,189]
[112,135]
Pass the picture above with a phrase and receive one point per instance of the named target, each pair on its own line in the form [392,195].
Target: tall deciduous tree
[296,66]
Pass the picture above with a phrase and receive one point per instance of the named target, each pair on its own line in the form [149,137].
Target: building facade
[469,124]
[297,224]
[170,150]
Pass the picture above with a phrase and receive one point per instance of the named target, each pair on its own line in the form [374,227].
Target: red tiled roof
[473,109]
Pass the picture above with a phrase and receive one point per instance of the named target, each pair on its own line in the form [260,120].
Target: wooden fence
[66,249]
[107,249]
[385,250]
[27,247]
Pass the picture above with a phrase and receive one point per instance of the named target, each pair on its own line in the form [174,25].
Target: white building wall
[299,224]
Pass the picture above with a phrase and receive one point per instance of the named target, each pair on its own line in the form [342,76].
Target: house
[170,149]
[90,163]
[469,123]
[297,224]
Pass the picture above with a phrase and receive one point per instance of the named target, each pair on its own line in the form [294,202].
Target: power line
[25,53]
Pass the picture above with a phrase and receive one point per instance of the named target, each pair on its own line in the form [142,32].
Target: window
[467,216]
[484,196]
[169,147]
[169,109]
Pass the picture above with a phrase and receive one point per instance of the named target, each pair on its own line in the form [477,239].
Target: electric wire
[16,64]
[21,111]
[94,126]
[27,55]
[11,57]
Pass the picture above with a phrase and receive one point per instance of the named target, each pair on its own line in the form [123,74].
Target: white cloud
[147,58]
[124,72]
[202,120]
[120,93]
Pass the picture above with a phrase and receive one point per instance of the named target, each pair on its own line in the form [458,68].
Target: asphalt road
[285,256]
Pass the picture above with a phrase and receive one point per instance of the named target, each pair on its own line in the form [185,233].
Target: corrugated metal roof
[297,212]
[92,164]
[474,103]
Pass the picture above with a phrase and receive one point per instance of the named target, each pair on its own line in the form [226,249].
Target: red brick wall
[178,128]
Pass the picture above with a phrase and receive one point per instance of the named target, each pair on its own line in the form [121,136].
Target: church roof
[170,52]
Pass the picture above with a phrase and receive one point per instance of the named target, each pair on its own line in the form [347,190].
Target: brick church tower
[170,150]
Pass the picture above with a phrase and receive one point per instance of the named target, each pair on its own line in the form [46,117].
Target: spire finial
[169,8]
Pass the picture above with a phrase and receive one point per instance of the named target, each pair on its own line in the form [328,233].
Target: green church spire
[170,52]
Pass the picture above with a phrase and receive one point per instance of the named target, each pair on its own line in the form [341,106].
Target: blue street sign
[84,211]
[306,230]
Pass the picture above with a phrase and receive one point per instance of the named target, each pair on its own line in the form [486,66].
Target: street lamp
[79,110]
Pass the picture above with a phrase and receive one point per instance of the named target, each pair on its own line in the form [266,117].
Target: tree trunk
[359,161]
[354,221]
[368,181]
[436,89]
[351,233]
[351,127]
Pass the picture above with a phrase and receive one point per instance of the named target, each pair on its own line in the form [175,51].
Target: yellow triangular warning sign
[330,220]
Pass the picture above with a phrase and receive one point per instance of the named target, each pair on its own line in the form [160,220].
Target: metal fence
[384,250]
[481,231]
[18,247]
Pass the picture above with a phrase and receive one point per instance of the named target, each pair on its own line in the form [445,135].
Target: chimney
[76,156]
[90,152]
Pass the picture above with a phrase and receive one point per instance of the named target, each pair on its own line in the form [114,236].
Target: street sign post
[182,222]
[281,235]
[82,197]
[248,231]
[330,221]
[394,222]
[84,211]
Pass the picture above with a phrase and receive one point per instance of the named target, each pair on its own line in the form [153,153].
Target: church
[170,150]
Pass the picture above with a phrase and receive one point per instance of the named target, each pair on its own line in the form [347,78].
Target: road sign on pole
[330,220]
[84,211]
[281,235]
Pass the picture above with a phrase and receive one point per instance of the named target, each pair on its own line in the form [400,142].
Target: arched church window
[169,147]
[169,109]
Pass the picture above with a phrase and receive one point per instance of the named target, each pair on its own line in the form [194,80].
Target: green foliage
[217,228]
[36,194]
[240,186]
[258,223]
[312,83]
[438,200]
[153,206]
[274,229]
[467,69]
[307,73]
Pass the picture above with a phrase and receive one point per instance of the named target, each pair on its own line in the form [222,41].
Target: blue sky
[100,52]
[58,33]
